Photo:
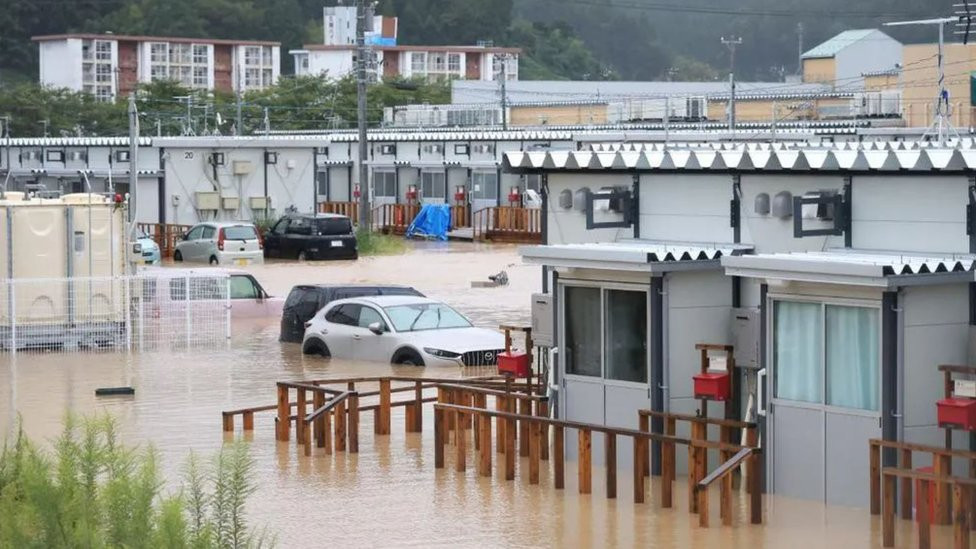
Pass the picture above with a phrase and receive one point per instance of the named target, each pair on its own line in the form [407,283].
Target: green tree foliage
[554,52]
[93,491]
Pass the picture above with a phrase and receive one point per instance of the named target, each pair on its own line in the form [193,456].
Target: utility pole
[267,122]
[361,113]
[239,121]
[732,42]
[799,48]
[133,164]
[503,76]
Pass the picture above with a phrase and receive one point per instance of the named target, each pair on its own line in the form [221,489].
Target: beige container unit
[61,260]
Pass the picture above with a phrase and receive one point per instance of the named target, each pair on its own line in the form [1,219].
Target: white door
[826,398]
[483,189]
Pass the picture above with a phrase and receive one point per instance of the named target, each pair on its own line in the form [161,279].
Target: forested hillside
[593,39]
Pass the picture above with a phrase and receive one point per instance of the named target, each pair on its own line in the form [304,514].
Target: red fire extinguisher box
[713,386]
[514,363]
[957,412]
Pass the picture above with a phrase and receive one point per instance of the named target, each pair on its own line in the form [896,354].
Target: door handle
[357,337]
[760,393]
[324,332]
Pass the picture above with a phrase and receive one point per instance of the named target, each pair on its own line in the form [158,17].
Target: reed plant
[92,491]
[376,243]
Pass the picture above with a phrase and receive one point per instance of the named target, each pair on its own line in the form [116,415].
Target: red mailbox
[356,193]
[514,196]
[459,194]
[713,386]
[959,413]
[412,192]
[514,363]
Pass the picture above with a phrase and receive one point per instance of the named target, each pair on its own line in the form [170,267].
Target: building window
[103,93]
[103,72]
[582,326]
[483,148]
[252,55]
[200,54]
[827,354]
[384,184]
[454,63]
[158,72]
[436,62]
[432,184]
[418,62]
[484,185]
[252,78]
[625,335]
[103,50]
[200,76]
[433,148]
[159,52]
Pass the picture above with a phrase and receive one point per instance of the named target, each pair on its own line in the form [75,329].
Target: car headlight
[441,353]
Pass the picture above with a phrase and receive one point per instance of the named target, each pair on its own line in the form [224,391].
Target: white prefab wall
[936,331]
[770,234]
[569,226]
[685,208]
[915,214]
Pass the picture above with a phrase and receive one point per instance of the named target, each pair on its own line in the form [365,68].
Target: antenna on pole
[941,125]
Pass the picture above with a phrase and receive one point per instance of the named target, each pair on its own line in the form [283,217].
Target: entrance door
[825,405]
[605,360]
[483,189]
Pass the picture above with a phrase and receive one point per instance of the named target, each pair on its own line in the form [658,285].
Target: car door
[187,248]
[297,236]
[340,327]
[275,238]
[207,246]
[246,298]
[368,345]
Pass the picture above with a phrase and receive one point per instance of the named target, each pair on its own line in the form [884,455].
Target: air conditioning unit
[242,167]
[696,108]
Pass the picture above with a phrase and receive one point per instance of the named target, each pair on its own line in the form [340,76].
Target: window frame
[824,302]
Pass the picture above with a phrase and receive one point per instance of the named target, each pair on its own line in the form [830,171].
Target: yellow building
[920,87]
[783,108]
[842,60]
[555,114]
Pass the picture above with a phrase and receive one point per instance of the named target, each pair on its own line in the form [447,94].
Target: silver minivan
[220,243]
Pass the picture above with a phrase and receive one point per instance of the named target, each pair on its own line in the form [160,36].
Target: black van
[305,300]
[308,236]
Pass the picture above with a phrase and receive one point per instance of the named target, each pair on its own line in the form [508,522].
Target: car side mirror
[137,248]
[376,328]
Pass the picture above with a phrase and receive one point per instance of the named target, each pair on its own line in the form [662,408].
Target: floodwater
[389,494]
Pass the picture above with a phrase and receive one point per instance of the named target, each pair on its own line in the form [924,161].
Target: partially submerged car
[311,236]
[305,300]
[400,330]
[248,299]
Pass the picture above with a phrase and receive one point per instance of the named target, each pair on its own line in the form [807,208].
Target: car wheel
[302,255]
[408,358]
[315,347]
[213,260]
[177,256]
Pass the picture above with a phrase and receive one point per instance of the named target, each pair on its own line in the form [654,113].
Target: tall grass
[92,491]
[376,243]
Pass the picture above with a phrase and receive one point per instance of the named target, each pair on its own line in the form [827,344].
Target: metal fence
[156,312]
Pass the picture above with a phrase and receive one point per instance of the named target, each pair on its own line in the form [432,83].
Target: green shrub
[91,491]
[377,243]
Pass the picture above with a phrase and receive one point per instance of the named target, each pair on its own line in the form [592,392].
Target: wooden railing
[508,224]
[166,235]
[724,473]
[459,216]
[962,489]
[348,209]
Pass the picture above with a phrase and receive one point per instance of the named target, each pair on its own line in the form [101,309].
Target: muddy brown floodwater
[389,494]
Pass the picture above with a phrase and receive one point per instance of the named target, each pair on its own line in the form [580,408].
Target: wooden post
[438,438]
[481,401]
[610,453]
[352,428]
[525,409]
[695,464]
[943,468]
[284,410]
[383,425]
[228,422]
[340,427]
[644,424]
[510,449]
[906,486]
[584,471]
[888,511]
[409,419]
[701,494]
[248,421]
[542,410]
[667,465]
[534,444]
[875,480]
[924,524]
[318,400]
[960,528]
[301,436]
[305,430]
[502,406]
[460,440]
[558,464]
[484,448]
[725,502]
[755,489]
[418,415]
[640,458]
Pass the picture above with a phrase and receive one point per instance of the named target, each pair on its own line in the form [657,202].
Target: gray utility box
[745,337]
[542,320]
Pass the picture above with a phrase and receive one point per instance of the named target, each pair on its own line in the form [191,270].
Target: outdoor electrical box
[745,337]
[231,202]
[242,167]
[207,200]
[258,202]
[542,320]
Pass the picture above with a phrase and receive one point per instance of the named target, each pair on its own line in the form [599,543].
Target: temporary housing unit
[841,274]
[60,261]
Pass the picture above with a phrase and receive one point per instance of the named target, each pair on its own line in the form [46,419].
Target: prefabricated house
[842,274]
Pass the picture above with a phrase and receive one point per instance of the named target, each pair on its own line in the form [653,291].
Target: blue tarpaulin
[433,221]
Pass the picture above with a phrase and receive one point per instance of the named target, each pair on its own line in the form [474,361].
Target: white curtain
[853,336]
[797,345]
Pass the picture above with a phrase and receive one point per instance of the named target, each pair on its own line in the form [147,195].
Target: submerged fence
[148,312]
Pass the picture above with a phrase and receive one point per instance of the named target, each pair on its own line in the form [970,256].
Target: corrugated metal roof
[857,267]
[633,255]
[72,142]
[876,156]
[833,46]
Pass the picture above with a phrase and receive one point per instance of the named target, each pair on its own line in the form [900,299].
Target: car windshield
[240,232]
[425,316]
[334,226]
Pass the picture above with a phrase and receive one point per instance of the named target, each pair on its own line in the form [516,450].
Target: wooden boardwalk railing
[348,209]
[165,235]
[508,224]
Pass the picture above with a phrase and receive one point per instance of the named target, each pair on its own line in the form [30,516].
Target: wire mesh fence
[133,313]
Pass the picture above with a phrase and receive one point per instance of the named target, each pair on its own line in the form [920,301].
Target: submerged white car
[400,330]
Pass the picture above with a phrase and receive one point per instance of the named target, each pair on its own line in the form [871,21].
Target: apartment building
[109,65]
[484,63]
